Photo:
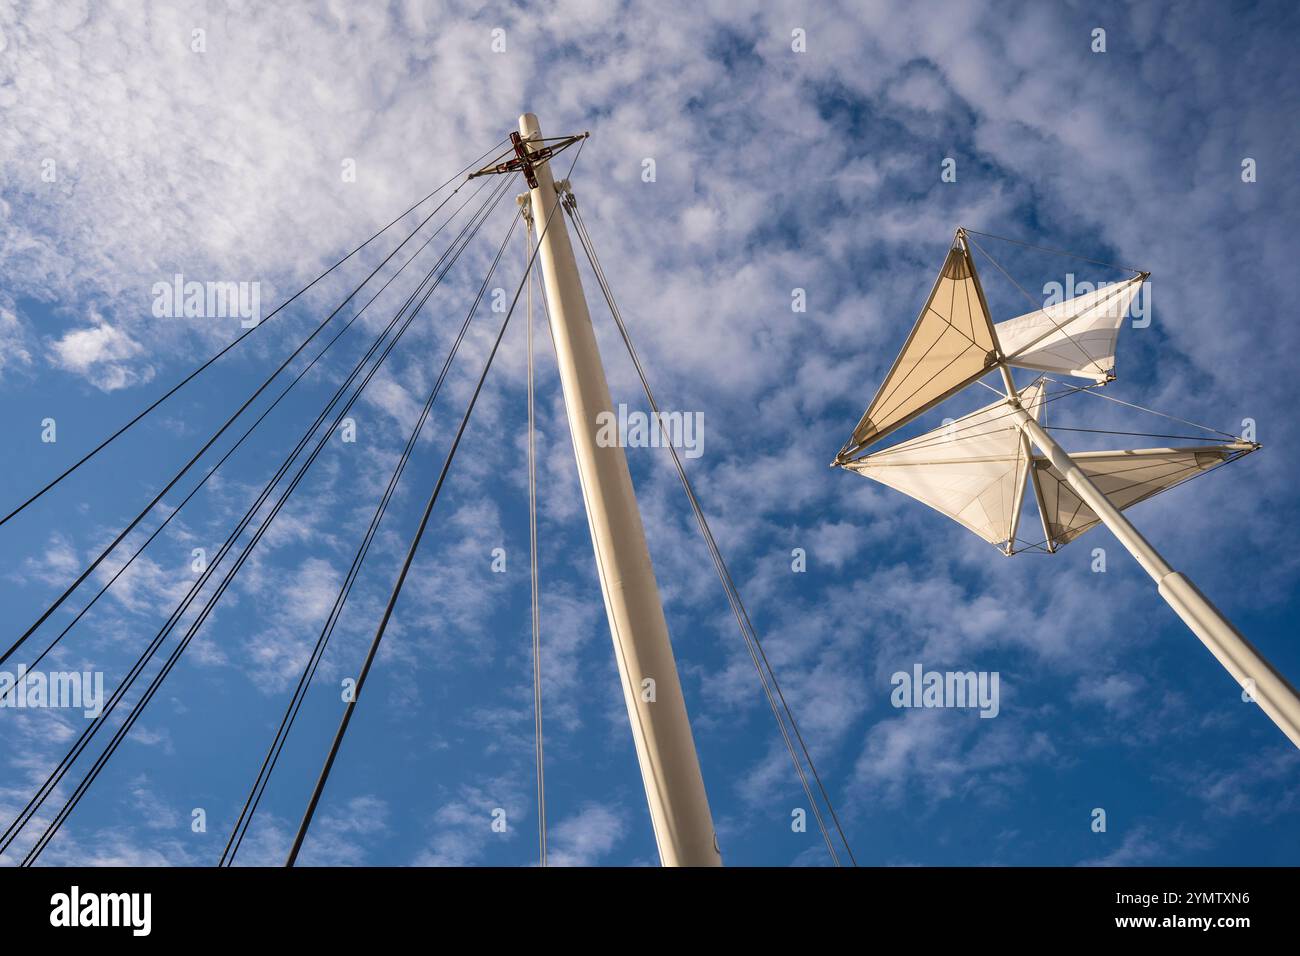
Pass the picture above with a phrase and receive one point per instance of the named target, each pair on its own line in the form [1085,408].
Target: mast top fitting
[525,158]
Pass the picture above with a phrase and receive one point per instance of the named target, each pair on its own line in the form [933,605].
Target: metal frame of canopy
[1248,667]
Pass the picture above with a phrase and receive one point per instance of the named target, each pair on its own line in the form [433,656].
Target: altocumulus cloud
[225,165]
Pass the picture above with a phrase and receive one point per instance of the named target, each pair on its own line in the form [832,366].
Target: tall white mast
[670,769]
[1273,692]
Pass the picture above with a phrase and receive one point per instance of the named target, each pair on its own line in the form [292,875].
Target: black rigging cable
[230,451]
[1056,252]
[945,435]
[208,444]
[748,632]
[170,663]
[255,793]
[1152,411]
[314,800]
[213,599]
[450,257]
[1111,431]
[177,387]
[1040,310]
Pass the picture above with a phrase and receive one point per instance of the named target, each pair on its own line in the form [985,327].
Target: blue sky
[775,170]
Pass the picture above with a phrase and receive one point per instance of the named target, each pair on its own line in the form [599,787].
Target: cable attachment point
[564,189]
[528,155]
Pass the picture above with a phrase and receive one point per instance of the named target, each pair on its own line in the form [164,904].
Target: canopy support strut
[1274,694]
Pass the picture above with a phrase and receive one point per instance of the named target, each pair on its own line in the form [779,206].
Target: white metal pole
[670,769]
[1274,694]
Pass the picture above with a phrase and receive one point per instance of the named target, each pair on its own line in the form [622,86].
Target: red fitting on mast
[526,161]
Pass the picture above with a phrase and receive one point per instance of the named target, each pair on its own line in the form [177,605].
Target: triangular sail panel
[972,470]
[951,346]
[1125,477]
[1075,337]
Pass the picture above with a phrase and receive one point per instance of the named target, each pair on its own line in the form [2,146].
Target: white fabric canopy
[972,470]
[1125,477]
[1074,337]
[950,346]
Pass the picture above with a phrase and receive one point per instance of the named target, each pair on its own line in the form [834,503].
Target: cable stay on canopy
[1076,336]
[973,470]
[1058,252]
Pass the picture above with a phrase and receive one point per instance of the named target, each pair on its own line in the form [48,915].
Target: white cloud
[15,350]
[774,172]
[585,838]
[102,353]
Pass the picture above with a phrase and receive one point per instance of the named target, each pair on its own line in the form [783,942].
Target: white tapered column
[670,769]
[1274,694]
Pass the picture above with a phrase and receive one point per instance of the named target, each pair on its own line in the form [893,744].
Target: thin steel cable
[1199,474]
[449,258]
[148,654]
[318,652]
[43,792]
[346,720]
[739,611]
[1111,431]
[230,451]
[212,440]
[1142,408]
[177,387]
[746,624]
[433,497]
[946,434]
[1058,252]
[602,575]
[742,620]
[533,569]
[1039,308]
[194,627]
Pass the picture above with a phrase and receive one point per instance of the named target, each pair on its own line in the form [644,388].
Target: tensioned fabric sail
[951,345]
[972,470]
[1125,477]
[1075,337]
